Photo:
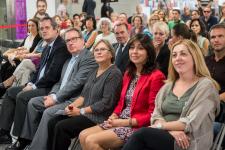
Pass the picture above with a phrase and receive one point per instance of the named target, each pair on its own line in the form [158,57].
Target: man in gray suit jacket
[74,74]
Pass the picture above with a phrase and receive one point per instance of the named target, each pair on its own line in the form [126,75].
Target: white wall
[31,8]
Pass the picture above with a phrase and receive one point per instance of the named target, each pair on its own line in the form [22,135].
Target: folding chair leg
[219,139]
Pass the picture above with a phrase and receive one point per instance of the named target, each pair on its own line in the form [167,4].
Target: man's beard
[41,12]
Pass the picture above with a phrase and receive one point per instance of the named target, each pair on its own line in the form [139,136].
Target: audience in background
[208,19]
[89,32]
[180,32]
[152,19]
[176,18]
[89,7]
[121,47]
[199,29]
[160,35]
[104,26]
[138,26]
[222,14]
[41,10]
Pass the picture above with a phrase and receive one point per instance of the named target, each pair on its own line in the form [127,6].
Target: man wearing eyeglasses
[208,19]
[73,76]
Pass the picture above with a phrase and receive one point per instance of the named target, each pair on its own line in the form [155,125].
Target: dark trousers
[14,107]
[150,139]
[61,129]
[7,71]
[8,107]
[21,107]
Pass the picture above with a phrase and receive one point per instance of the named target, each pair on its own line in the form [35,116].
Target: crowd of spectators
[141,82]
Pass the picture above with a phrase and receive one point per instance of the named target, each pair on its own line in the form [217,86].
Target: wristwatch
[159,126]
[82,111]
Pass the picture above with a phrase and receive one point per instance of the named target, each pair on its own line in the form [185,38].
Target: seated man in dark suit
[16,98]
[73,77]
[121,48]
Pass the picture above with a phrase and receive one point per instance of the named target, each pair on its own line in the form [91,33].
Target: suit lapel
[141,81]
[74,69]
[76,64]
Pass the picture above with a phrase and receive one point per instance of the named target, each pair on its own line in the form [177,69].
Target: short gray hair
[104,19]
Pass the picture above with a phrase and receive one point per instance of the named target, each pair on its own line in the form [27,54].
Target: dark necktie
[119,55]
[48,50]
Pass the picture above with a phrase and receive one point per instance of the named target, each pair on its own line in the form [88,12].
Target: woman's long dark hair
[203,31]
[147,44]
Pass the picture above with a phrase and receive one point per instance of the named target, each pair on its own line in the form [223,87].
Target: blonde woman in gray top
[186,105]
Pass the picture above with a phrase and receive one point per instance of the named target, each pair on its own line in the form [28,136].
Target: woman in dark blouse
[97,101]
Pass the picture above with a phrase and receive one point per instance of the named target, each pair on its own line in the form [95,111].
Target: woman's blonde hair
[200,68]
[162,26]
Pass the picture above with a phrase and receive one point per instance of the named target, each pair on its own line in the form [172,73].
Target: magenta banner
[21,18]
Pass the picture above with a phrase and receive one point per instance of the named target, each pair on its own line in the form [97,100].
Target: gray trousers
[36,123]
[23,71]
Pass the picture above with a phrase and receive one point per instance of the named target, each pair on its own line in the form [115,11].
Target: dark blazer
[163,58]
[143,99]
[212,21]
[124,59]
[35,42]
[89,7]
[59,54]
[84,64]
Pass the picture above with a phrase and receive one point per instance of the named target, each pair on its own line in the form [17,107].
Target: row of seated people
[21,75]
[185,78]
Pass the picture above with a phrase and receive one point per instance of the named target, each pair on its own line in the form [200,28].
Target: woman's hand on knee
[181,138]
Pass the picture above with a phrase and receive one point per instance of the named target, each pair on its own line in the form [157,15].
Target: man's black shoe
[14,146]
[18,145]
[2,85]
[5,137]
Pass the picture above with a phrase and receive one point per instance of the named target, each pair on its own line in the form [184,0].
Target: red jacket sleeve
[156,82]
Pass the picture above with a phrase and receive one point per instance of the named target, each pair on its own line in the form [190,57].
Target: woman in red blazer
[141,82]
